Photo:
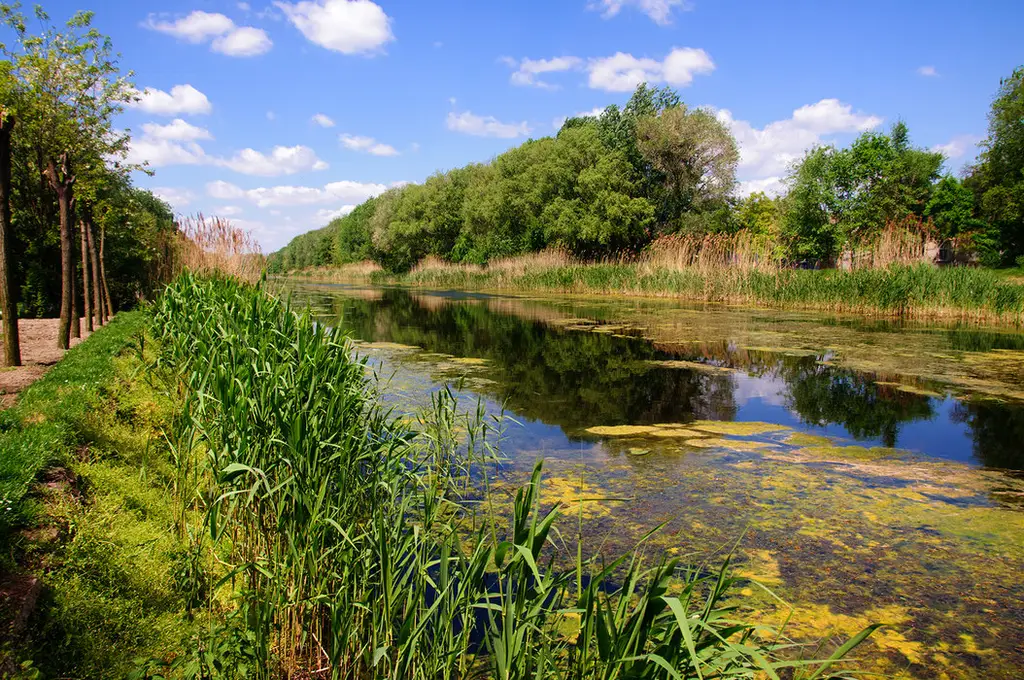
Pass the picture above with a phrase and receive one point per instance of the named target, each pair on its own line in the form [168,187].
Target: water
[881,482]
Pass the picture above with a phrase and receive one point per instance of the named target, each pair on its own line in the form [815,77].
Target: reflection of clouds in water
[769,390]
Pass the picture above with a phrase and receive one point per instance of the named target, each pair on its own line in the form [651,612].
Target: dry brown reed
[907,242]
[209,245]
[741,251]
[342,273]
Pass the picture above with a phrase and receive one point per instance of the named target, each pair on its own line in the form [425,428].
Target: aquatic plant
[355,546]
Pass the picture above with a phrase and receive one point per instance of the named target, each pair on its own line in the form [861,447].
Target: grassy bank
[912,291]
[233,501]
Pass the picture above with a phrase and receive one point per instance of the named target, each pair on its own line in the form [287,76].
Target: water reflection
[547,366]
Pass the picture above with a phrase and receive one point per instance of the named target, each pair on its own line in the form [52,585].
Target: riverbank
[922,292]
[232,493]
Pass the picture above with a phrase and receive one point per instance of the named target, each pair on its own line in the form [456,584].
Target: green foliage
[997,180]
[601,185]
[840,197]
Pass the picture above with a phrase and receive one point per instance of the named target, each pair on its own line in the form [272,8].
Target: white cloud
[176,197]
[226,38]
[158,152]
[244,6]
[346,26]
[527,70]
[660,11]
[243,42]
[197,27]
[958,146]
[485,126]
[367,144]
[927,71]
[345,192]
[227,210]
[224,190]
[767,152]
[323,120]
[282,160]
[326,215]
[177,130]
[622,72]
[773,186]
[271,116]
[182,99]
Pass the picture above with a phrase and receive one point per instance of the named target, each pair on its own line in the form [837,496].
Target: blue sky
[402,89]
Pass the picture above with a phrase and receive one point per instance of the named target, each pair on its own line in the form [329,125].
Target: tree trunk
[8,305]
[76,321]
[62,181]
[97,295]
[86,292]
[103,274]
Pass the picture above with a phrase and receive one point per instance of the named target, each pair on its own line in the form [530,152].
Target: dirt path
[39,352]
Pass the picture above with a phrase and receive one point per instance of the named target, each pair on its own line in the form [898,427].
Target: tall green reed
[356,547]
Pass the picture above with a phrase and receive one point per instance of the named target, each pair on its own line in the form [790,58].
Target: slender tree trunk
[62,182]
[103,274]
[8,306]
[76,321]
[86,292]
[97,296]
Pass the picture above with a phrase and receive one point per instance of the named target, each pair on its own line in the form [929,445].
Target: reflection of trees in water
[997,431]
[568,378]
[823,395]
[579,379]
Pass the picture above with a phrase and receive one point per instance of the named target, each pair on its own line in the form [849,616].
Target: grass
[45,424]
[920,291]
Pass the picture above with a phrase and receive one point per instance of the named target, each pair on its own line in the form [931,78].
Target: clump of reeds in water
[357,549]
[211,245]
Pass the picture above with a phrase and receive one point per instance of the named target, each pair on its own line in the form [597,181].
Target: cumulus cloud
[773,186]
[227,210]
[182,99]
[485,126]
[326,215]
[345,192]
[660,11]
[177,198]
[527,70]
[282,160]
[927,71]
[766,153]
[622,72]
[323,120]
[158,152]
[958,147]
[177,130]
[346,26]
[367,145]
[595,112]
[222,33]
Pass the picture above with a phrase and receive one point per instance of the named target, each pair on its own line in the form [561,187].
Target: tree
[8,303]
[997,180]
[72,89]
[839,197]
[695,153]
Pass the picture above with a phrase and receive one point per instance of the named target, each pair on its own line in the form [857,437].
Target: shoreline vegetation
[191,528]
[918,291]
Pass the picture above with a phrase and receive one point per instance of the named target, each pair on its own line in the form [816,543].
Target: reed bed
[885,277]
[356,547]
[214,245]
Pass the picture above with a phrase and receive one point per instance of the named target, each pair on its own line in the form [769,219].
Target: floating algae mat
[866,471]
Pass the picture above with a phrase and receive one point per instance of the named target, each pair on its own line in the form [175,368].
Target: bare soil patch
[39,351]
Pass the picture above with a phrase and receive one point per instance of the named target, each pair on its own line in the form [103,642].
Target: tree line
[76,237]
[611,184]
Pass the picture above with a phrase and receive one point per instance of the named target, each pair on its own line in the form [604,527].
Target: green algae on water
[737,429]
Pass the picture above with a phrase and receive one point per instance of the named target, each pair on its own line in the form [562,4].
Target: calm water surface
[878,478]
